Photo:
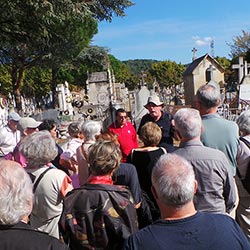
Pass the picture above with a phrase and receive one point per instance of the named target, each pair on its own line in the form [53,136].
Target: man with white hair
[181,226]
[216,190]
[16,201]
[27,126]
[9,134]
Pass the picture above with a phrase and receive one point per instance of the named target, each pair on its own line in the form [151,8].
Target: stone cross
[240,68]
[194,50]
[211,69]
[246,66]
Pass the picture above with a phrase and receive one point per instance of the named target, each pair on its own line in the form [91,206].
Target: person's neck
[148,148]
[208,111]
[119,125]
[188,139]
[173,213]
[89,141]
[25,219]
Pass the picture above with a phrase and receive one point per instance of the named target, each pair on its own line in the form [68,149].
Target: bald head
[16,193]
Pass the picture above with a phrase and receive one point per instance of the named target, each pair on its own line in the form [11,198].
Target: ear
[177,135]
[202,128]
[218,102]
[154,192]
[195,186]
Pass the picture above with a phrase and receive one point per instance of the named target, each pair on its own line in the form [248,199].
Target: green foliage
[121,71]
[167,73]
[106,9]
[5,81]
[37,82]
[229,76]
[240,46]
[35,32]
[96,58]
[139,65]
[224,62]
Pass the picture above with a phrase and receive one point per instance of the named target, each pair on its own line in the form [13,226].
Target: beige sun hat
[155,100]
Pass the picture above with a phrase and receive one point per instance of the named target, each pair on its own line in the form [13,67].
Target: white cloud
[202,41]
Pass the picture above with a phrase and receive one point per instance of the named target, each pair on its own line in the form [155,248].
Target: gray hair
[90,129]
[188,122]
[38,148]
[208,96]
[243,122]
[173,179]
[104,157]
[16,193]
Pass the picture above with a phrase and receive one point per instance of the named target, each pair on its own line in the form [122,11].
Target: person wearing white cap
[9,134]
[162,119]
[27,126]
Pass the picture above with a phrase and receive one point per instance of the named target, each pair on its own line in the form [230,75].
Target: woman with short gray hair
[15,193]
[43,152]
[89,129]
[50,184]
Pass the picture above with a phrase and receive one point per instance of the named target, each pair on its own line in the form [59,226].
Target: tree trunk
[53,87]
[17,77]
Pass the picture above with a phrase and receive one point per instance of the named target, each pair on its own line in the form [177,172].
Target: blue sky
[168,30]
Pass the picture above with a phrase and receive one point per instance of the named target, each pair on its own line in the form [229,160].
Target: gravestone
[240,67]
[141,98]
[51,114]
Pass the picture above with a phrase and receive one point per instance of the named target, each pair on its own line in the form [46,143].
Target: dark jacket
[22,237]
[98,216]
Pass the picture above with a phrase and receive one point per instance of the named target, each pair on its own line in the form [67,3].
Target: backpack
[246,180]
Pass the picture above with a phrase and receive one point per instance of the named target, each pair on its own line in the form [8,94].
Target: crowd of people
[124,188]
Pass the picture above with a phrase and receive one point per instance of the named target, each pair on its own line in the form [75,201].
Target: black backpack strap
[245,141]
[39,179]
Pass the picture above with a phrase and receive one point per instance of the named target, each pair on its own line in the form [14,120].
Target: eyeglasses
[122,117]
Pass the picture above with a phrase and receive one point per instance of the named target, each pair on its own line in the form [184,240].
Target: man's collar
[208,116]
[191,143]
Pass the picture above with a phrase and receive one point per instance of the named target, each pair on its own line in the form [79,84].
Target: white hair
[208,96]
[38,148]
[243,122]
[188,122]
[173,179]
[90,129]
[16,193]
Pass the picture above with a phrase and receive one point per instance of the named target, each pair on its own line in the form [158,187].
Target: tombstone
[51,114]
[212,82]
[64,99]
[240,68]
[140,100]
[3,111]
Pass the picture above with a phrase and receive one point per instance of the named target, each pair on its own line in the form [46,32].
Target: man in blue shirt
[181,226]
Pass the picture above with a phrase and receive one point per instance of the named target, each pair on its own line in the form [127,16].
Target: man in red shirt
[125,132]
